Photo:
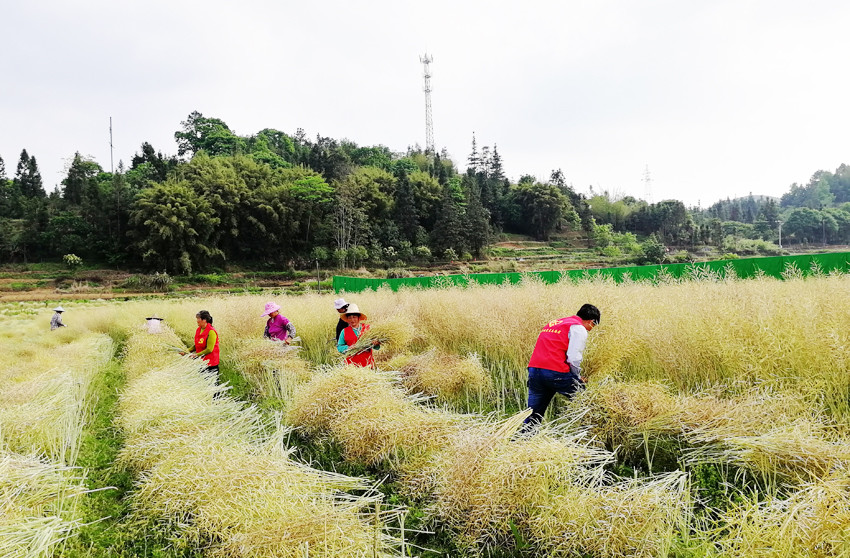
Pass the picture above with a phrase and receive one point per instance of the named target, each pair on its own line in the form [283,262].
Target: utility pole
[780,234]
[429,122]
[111,166]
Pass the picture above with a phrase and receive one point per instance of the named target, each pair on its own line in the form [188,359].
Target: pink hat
[270,307]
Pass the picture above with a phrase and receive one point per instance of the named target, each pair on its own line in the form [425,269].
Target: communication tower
[647,184]
[429,122]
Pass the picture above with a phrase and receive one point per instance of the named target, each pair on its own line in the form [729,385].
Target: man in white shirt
[555,365]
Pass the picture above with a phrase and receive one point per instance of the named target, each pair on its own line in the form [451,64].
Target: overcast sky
[717,98]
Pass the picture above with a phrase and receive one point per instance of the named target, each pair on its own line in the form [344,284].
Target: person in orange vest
[206,341]
[351,334]
[555,365]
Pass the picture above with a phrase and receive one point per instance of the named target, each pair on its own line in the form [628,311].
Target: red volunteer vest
[201,345]
[550,351]
[360,359]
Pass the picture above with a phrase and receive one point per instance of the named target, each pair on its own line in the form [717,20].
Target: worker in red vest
[351,334]
[555,365]
[206,341]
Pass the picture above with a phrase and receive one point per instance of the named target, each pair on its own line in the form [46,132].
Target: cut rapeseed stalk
[448,377]
[36,505]
[212,468]
[489,478]
[372,420]
[261,503]
[273,368]
[634,518]
[393,334]
[813,522]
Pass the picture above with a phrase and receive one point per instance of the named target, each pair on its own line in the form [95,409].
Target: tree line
[277,200]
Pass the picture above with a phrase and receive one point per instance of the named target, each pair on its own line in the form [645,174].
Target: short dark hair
[204,315]
[589,312]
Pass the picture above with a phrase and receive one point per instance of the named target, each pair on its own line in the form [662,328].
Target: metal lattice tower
[647,184]
[429,122]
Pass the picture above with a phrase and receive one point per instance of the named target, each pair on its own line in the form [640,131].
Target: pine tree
[406,215]
[474,161]
[449,229]
[477,221]
[496,170]
[28,178]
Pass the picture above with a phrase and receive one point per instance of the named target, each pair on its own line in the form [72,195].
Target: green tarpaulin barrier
[744,268]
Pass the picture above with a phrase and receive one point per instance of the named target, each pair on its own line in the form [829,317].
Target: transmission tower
[647,184]
[429,122]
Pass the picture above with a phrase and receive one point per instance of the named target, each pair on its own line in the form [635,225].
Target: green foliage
[653,251]
[211,135]
[543,208]
[422,253]
[174,226]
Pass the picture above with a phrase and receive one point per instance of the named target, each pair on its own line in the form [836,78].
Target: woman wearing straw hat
[278,327]
[351,334]
[56,320]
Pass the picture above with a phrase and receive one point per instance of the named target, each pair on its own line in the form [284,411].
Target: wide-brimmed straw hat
[353,309]
[270,307]
[340,303]
[58,309]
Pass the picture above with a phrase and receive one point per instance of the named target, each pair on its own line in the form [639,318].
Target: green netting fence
[777,266]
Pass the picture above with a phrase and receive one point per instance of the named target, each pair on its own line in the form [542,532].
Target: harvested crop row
[211,467]
[45,381]
[774,434]
[37,501]
[482,479]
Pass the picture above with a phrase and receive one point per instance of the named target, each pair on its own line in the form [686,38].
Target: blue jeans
[543,384]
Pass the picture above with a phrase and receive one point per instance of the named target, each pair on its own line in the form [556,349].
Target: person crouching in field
[555,365]
[56,320]
[206,342]
[351,334]
[278,327]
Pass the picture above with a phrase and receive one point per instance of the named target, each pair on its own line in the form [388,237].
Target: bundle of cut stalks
[621,413]
[393,334]
[36,506]
[796,452]
[489,478]
[371,418]
[813,522]
[273,368]
[632,517]
[261,503]
[446,376]
[773,434]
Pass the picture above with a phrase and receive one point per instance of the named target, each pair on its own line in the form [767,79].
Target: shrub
[422,253]
[320,253]
[72,261]
[398,272]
